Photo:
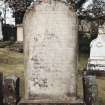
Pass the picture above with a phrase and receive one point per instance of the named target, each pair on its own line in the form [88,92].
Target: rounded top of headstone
[49,3]
[12,77]
[46,6]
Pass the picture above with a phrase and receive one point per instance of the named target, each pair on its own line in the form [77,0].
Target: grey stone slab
[50,43]
[49,102]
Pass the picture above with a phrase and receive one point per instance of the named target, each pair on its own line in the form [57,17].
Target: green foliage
[84,42]
[19,7]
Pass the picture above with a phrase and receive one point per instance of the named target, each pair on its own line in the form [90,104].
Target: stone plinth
[46,102]
[50,46]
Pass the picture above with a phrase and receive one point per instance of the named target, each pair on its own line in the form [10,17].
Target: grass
[12,63]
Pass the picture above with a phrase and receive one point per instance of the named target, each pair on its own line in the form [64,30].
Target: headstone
[50,31]
[97,52]
[1,34]
[90,90]
[11,90]
[19,33]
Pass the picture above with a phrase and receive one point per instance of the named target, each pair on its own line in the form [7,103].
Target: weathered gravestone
[19,33]
[97,52]
[50,31]
[11,90]
[90,90]
[1,35]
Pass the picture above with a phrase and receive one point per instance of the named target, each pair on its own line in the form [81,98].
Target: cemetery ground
[13,63]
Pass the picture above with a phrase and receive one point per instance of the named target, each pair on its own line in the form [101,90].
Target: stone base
[39,102]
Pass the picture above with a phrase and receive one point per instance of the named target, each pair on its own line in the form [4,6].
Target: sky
[87,3]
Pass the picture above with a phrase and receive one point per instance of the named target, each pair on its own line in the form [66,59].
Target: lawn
[12,63]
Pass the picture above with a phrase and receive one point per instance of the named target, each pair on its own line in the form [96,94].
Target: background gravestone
[96,61]
[11,90]
[90,90]
[19,33]
[50,31]
[1,34]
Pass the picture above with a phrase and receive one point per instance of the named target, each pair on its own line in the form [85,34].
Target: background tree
[19,7]
[92,16]
[95,11]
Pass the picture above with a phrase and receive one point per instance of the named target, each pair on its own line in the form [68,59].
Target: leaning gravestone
[50,32]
